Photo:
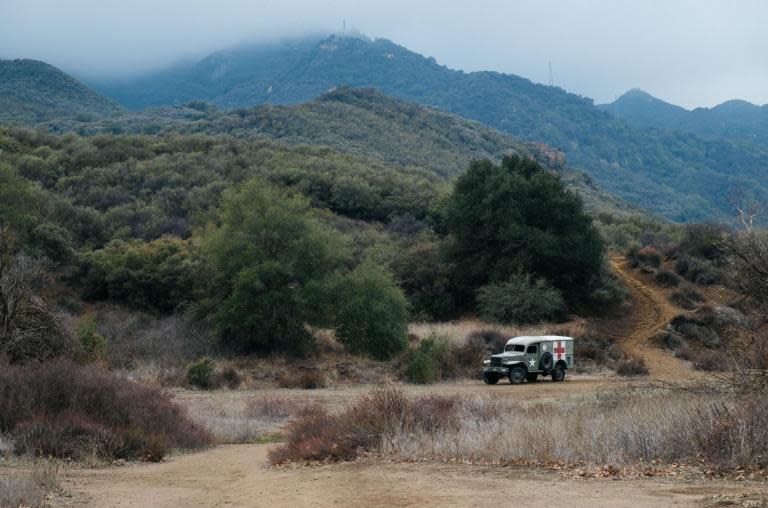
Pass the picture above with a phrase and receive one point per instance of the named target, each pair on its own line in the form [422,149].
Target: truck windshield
[514,347]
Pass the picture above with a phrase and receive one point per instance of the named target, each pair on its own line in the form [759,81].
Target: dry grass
[457,331]
[235,418]
[620,429]
[29,488]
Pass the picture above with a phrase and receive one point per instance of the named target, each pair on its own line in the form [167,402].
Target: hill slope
[736,119]
[364,123]
[678,175]
[33,91]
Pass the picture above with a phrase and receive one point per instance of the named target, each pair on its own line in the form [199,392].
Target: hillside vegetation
[32,92]
[679,175]
[361,122]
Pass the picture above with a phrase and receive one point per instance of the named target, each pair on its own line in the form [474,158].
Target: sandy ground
[236,476]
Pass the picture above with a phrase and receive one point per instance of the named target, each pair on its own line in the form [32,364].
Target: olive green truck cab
[525,358]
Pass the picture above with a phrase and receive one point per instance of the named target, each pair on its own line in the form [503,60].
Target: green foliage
[19,201]
[273,262]
[201,373]
[93,343]
[424,364]
[521,300]
[372,313]
[161,275]
[425,276]
[519,218]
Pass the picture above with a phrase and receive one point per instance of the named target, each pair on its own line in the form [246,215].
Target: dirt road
[236,476]
[651,312]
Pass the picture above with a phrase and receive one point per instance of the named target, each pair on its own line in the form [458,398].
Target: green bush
[160,275]
[372,313]
[93,343]
[201,374]
[428,362]
[521,300]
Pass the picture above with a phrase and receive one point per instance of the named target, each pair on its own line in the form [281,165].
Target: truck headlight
[486,362]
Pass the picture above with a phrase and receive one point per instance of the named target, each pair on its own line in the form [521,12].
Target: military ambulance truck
[525,358]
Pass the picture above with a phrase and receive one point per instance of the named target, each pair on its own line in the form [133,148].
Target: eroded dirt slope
[650,313]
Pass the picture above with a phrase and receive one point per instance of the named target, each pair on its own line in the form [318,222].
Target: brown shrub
[318,435]
[687,298]
[490,339]
[230,377]
[65,410]
[667,279]
[647,256]
[307,380]
[632,366]
[703,359]
[593,345]
[134,337]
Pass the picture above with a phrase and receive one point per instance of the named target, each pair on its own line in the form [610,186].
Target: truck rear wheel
[516,375]
[490,379]
[558,374]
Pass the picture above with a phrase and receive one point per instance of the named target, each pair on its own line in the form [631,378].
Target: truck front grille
[495,362]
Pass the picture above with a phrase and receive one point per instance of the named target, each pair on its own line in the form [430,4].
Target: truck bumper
[495,370]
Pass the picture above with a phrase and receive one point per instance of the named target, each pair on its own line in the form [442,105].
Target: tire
[490,379]
[558,374]
[531,377]
[516,375]
[546,363]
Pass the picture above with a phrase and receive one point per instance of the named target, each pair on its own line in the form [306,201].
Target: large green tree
[273,264]
[517,217]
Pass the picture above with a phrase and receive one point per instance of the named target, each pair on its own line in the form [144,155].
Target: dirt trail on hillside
[650,313]
[236,476]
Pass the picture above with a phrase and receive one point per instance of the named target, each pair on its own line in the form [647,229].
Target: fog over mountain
[689,53]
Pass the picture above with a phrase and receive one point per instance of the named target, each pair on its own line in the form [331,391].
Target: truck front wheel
[516,375]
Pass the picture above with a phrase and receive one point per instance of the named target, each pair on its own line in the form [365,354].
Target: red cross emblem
[559,350]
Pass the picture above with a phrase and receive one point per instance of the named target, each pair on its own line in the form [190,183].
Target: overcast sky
[688,52]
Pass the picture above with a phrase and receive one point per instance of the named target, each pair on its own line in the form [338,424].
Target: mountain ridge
[34,91]
[647,167]
[733,119]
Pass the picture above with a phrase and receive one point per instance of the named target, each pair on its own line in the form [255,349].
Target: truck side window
[532,350]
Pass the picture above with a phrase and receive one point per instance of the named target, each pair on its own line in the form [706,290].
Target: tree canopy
[517,217]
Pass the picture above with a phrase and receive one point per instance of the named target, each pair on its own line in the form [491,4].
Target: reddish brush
[62,409]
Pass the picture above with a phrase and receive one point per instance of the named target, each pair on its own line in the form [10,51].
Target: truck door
[532,357]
